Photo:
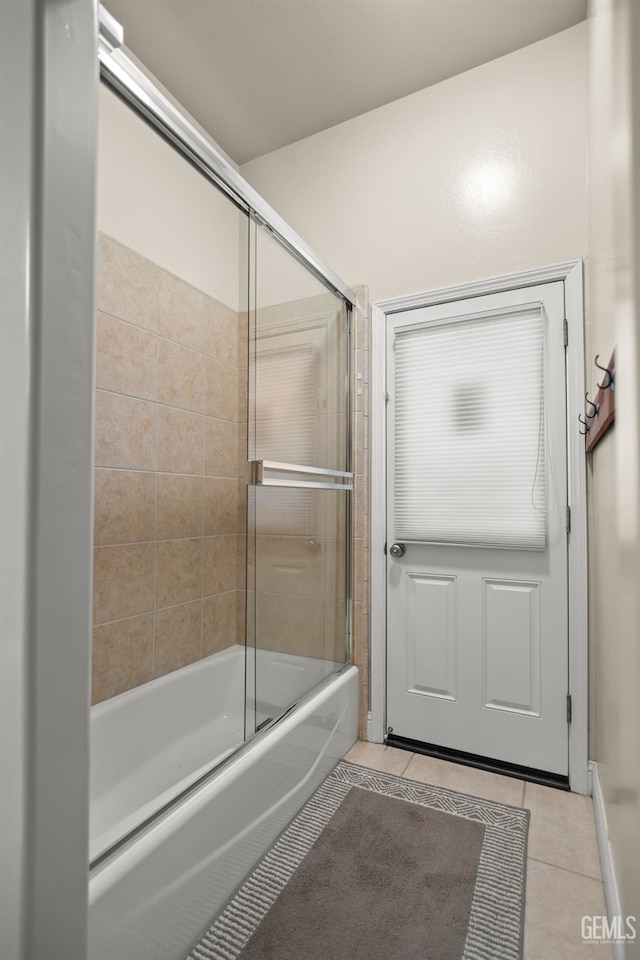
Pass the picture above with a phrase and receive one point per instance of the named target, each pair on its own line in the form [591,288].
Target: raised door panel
[511,646]
[431,635]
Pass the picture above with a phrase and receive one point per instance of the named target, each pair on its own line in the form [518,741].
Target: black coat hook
[604,386]
[586,426]
[591,404]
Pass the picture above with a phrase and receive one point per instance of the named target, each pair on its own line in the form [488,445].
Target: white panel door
[477,611]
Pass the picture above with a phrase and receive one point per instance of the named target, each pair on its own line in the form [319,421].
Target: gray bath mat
[376,867]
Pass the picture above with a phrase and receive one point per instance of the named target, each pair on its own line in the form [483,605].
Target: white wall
[152,200]
[614,291]
[479,175]
[600,338]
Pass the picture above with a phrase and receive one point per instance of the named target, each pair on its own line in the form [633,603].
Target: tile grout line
[173,406]
[446,787]
[155,473]
[575,873]
[406,767]
[164,473]
[160,336]
[172,606]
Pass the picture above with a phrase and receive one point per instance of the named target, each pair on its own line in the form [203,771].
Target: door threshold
[500,767]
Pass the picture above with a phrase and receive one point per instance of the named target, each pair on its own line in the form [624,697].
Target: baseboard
[611,892]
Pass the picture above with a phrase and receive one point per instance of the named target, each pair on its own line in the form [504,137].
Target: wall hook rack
[595,406]
[610,372]
[603,403]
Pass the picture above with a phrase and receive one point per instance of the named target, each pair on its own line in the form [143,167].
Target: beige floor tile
[455,776]
[378,757]
[556,901]
[562,830]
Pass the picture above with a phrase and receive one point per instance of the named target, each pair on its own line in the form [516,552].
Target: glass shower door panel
[299,493]
[298,364]
[299,603]
[168,686]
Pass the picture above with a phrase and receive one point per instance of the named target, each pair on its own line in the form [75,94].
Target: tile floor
[563,869]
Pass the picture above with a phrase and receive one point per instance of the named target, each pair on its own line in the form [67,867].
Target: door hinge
[568,708]
[385,549]
[568,519]
[386,398]
[565,329]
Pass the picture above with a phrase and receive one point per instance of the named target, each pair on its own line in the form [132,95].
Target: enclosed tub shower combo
[222,687]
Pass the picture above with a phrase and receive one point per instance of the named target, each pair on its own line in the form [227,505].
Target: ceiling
[260,74]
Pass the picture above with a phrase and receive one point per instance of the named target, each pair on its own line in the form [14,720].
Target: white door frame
[570,272]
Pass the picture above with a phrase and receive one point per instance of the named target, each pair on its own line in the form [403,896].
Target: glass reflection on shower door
[298,502]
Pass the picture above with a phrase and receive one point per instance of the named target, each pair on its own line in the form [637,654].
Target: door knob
[398,550]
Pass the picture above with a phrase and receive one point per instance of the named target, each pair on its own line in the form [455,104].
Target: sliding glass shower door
[298,507]
[220,593]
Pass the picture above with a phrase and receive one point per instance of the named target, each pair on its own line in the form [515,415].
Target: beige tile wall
[167,522]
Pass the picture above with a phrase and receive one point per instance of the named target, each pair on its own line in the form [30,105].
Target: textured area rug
[376,867]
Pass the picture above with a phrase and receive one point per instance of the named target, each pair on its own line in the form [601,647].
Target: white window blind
[284,428]
[285,407]
[469,431]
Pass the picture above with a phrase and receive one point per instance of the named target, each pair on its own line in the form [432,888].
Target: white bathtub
[153,898]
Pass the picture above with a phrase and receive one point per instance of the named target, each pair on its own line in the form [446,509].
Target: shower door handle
[259,471]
